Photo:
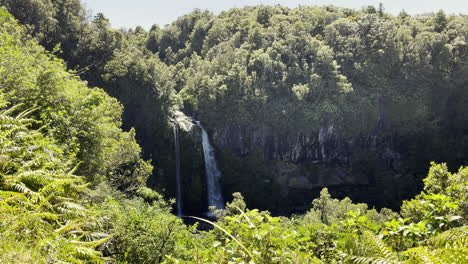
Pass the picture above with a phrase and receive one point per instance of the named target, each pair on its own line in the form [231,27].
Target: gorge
[299,99]
[294,99]
[325,135]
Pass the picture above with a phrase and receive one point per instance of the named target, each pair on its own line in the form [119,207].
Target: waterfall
[215,198]
[177,161]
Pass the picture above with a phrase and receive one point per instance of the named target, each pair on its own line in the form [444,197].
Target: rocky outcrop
[184,122]
[297,164]
[333,157]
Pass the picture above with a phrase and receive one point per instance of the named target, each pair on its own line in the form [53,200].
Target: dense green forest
[294,100]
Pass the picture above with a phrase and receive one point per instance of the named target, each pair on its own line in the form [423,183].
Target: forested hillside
[293,100]
[323,96]
[53,127]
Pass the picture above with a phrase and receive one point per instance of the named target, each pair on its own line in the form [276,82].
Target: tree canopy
[76,187]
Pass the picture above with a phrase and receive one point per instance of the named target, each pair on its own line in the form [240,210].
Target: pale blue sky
[125,13]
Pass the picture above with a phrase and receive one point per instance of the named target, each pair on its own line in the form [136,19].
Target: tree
[440,21]
[381,9]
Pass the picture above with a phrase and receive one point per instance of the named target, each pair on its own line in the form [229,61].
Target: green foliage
[43,218]
[252,236]
[58,127]
[292,71]
[438,211]
[448,247]
[443,202]
[441,181]
[369,249]
[433,211]
[440,21]
[327,210]
[288,69]
[85,122]
[402,235]
[142,232]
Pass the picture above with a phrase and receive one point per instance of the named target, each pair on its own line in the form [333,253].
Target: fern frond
[70,209]
[422,255]
[53,186]
[43,201]
[448,247]
[68,213]
[11,195]
[35,179]
[371,260]
[26,113]
[72,171]
[94,243]
[47,216]
[371,250]
[70,226]
[381,249]
[452,237]
[95,235]
[8,111]
[21,188]
[88,254]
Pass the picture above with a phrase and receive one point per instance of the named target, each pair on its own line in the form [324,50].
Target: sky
[128,14]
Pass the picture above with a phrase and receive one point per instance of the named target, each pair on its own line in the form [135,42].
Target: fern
[59,184]
[450,246]
[421,255]
[453,238]
[373,249]
[371,260]
[40,202]
[20,187]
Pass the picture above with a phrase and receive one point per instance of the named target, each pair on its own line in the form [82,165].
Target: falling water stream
[215,198]
[178,181]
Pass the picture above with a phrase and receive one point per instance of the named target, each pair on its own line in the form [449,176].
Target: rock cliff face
[297,165]
[334,160]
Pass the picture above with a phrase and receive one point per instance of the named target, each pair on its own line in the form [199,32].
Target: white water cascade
[215,198]
[177,161]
